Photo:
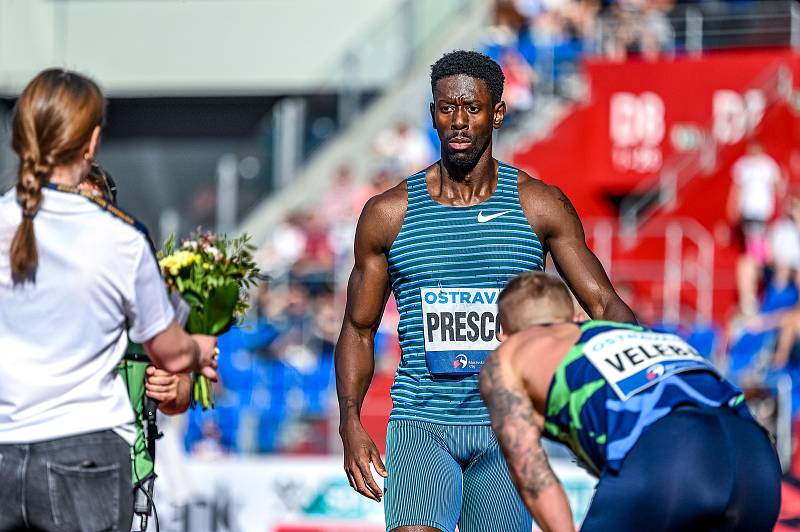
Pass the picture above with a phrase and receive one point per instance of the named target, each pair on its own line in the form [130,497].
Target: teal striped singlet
[459,257]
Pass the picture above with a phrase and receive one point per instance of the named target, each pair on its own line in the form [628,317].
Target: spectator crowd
[539,43]
[277,392]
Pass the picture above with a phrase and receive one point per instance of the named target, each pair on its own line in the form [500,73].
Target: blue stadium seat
[704,338]
[494,51]
[744,352]
[317,387]
[269,428]
[238,348]
[228,417]
[779,298]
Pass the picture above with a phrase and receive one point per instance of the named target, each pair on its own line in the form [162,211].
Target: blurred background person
[73,279]
[405,148]
[757,185]
[338,204]
[639,27]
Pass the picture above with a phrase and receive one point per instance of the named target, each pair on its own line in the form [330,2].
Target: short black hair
[472,64]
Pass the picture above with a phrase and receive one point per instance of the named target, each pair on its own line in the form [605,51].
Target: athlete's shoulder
[389,200]
[548,209]
[382,217]
[533,190]
[387,206]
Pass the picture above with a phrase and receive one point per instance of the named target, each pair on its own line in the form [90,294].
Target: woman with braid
[75,274]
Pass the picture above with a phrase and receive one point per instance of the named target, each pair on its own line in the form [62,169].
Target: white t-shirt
[784,238]
[62,337]
[757,176]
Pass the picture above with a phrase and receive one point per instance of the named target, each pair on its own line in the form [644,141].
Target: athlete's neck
[455,185]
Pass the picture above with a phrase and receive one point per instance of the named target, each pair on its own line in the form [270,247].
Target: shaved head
[534,298]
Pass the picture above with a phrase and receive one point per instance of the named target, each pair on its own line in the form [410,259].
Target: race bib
[632,361]
[461,328]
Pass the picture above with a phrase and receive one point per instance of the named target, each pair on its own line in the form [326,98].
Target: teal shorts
[446,475]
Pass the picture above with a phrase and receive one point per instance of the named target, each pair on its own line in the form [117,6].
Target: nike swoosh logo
[482,218]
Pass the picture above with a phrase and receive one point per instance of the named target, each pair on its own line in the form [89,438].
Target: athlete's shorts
[695,469]
[446,475]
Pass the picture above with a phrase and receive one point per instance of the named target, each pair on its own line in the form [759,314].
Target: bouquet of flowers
[212,273]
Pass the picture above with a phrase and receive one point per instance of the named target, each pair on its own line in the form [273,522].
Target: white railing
[661,191]
[676,271]
[696,28]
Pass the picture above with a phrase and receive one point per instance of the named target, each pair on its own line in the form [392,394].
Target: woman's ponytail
[33,176]
[52,125]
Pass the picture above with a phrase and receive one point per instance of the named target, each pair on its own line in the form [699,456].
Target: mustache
[459,136]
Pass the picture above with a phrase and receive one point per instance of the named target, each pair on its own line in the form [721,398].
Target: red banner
[642,113]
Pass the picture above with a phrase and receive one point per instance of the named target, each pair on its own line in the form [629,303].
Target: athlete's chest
[484,240]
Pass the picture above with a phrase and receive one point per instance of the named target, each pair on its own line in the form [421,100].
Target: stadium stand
[640,110]
[646,157]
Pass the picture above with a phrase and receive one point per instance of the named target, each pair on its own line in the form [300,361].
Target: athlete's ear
[433,116]
[502,336]
[499,114]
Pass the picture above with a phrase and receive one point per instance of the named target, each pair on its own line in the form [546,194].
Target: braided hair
[52,125]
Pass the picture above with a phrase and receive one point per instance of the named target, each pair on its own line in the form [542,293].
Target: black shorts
[695,469]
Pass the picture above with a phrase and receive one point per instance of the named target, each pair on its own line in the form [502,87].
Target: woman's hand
[208,355]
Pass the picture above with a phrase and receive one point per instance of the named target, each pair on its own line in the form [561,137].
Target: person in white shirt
[173,391]
[784,242]
[73,278]
[757,185]
[407,149]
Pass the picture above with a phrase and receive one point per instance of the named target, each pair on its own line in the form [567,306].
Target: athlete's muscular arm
[517,427]
[554,218]
[367,292]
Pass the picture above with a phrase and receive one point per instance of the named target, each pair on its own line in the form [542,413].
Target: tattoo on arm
[514,424]
[567,204]
[541,474]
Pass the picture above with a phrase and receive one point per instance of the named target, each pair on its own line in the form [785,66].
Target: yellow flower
[179,260]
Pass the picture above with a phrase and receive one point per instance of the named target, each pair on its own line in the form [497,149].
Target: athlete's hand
[359,452]
[161,385]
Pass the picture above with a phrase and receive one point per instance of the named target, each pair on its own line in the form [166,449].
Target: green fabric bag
[132,369]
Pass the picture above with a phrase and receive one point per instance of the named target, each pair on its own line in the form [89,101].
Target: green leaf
[219,308]
[196,322]
[168,248]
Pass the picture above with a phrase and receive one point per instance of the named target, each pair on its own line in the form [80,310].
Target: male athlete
[673,443]
[445,241]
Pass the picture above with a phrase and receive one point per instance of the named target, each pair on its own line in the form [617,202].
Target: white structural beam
[142,47]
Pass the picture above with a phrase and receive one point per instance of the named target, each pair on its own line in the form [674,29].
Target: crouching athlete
[672,442]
